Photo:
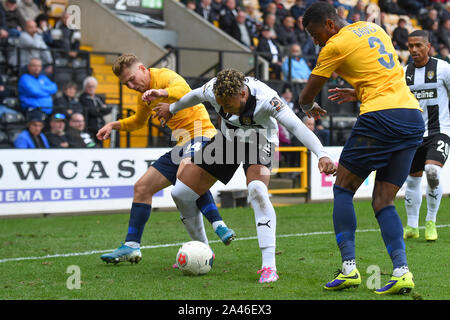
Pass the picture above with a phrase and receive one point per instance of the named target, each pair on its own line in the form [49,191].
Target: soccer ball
[195,258]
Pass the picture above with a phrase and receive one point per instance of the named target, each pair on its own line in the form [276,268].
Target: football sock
[265,219]
[140,212]
[185,199]
[398,272]
[348,266]
[392,232]
[344,220]
[208,207]
[434,197]
[413,200]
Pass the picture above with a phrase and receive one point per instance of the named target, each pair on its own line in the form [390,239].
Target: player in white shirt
[429,80]
[249,111]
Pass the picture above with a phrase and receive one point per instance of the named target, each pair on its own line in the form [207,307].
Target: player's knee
[433,174]
[141,190]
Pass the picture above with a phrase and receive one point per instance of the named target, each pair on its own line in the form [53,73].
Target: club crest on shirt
[430,74]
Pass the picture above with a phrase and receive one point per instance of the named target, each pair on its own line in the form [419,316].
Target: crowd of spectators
[274,28]
[36,111]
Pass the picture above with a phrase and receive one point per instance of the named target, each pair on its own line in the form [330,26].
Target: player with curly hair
[249,111]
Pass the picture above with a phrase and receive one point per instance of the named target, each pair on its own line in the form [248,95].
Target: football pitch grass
[42,258]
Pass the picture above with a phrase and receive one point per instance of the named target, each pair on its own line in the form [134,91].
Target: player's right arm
[105,132]
[164,111]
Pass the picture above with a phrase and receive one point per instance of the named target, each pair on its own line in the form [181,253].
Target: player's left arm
[287,118]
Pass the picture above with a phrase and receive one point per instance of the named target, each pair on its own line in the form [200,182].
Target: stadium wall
[80,180]
[101,180]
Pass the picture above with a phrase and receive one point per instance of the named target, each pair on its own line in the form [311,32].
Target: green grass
[305,262]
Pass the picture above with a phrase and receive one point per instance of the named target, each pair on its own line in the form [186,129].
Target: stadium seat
[4,141]
[12,103]
[12,118]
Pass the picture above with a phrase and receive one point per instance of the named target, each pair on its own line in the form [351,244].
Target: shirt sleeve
[287,118]
[139,119]
[196,96]
[328,61]
[176,86]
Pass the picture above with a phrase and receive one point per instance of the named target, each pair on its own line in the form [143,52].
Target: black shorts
[434,148]
[221,157]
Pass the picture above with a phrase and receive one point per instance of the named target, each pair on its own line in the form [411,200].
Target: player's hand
[316,111]
[342,95]
[163,113]
[104,132]
[152,94]
[327,166]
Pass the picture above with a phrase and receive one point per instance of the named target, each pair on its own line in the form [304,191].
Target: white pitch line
[86,253]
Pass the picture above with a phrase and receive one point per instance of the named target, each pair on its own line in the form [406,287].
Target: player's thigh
[437,150]
[151,182]
[195,177]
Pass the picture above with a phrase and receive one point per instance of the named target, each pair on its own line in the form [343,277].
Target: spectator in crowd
[32,46]
[28,9]
[191,4]
[355,17]
[270,21]
[342,12]
[297,9]
[254,16]
[444,54]
[360,8]
[400,35]
[301,35]
[36,89]
[270,51]
[427,21]
[67,39]
[44,29]
[391,6]
[205,10]
[263,4]
[285,32]
[3,27]
[4,93]
[76,134]
[272,9]
[216,6]
[227,18]
[67,103]
[94,106]
[281,9]
[323,134]
[32,137]
[444,33]
[300,71]
[287,97]
[244,35]
[14,20]
[56,136]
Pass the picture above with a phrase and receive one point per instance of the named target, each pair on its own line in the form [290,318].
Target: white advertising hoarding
[321,185]
[80,180]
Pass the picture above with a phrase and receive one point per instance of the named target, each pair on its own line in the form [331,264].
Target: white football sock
[434,190]
[216,224]
[348,266]
[132,244]
[398,272]
[266,221]
[434,197]
[185,199]
[413,200]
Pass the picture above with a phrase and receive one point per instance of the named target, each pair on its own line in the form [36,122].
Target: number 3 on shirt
[373,41]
